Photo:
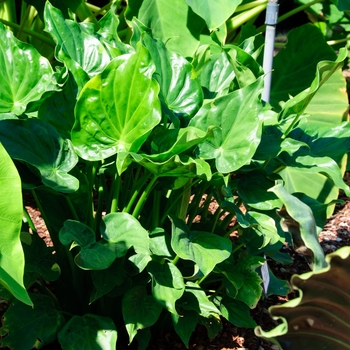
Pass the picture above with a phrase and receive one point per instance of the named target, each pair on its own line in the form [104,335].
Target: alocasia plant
[126,144]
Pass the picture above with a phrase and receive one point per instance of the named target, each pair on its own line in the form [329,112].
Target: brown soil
[335,235]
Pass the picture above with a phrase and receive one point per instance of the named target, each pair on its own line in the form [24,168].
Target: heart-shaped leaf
[139,310]
[204,248]
[118,108]
[167,284]
[238,131]
[38,144]
[25,74]
[42,323]
[88,332]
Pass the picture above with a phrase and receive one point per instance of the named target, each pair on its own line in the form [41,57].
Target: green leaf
[167,284]
[139,310]
[118,108]
[124,231]
[325,69]
[217,76]
[183,37]
[105,280]
[37,257]
[320,316]
[236,313]
[38,144]
[181,94]
[214,13]
[11,253]
[238,131]
[196,299]
[204,248]
[93,255]
[290,77]
[25,76]
[58,109]
[75,43]
[252,188]
[27,327]
[185,325]
[88,332]
[304,234]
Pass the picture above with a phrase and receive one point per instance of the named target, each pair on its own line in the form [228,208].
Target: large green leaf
[38,144]
[139,310]
[204,248]
[307,46]
[160,15]
[215,13]
[238,131]
[26,327]
[76,47]
[325,69]
[25,75]
[118,108]
[124,231]
[319,318]
[299,221]
[167,284]
[11,253]
[88,332]
[181,94]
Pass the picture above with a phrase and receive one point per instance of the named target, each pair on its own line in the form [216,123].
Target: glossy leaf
[214,13]
[167,284]
[42,323]
[304,234]
[40,146]
[88,332]
[25,75]
[319,317]
[182,38]
[181,94]
[238,131]
[118,108]
[85,50]
[217,76]
[139,310]
[204,248]
[11,253]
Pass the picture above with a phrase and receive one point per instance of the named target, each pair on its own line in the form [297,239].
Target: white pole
[270,21]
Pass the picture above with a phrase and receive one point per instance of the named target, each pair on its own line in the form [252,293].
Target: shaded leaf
[88,332]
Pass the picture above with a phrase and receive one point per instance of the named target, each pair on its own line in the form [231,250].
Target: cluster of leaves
[126,145]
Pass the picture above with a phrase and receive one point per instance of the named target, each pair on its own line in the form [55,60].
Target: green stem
[237,247]
[237,21]
[339,41]
[176,259]
[156,209]
[84,13]
[235,227]
[72,209]
[250,5]
[136,191]
[98,216]
[28,31]
[115,193]
[144,197]
[217,215]
[29,220]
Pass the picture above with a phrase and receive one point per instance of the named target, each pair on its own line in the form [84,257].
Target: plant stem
[144,197]
[235,227]
[72,209]
[41,37]
[115,193]
[29,220]
[250,5]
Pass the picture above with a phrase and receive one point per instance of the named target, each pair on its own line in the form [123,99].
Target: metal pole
[270,21]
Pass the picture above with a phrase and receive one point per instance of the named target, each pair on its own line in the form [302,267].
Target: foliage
[319,317]
[158,170]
